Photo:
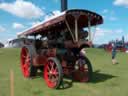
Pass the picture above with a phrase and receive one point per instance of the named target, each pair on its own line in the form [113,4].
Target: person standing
[114,52]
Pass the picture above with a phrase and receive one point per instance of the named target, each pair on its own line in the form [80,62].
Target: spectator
[114,47]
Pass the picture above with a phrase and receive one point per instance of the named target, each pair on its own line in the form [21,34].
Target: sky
[18,15]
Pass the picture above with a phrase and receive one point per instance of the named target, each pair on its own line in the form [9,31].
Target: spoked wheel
[27,68]
[83,70]
[53,73]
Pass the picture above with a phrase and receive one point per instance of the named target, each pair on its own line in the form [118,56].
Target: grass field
[108,79]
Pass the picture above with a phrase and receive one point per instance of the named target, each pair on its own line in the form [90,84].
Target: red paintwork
[41,58]
[108,48]
[81,74]
[51,74]
[25,62]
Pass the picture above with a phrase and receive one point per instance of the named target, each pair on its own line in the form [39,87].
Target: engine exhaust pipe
[63,5]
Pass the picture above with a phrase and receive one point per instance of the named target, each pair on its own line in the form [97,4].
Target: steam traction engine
[59,50]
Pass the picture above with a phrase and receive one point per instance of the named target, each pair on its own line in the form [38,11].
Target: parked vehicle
[120,46]
[59,50]
[1,45]
[17,42]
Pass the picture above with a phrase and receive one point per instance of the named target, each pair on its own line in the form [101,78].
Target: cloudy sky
[18,15]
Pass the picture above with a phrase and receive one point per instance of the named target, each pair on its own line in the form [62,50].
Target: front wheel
[83,70]
[27,67]
[53,73]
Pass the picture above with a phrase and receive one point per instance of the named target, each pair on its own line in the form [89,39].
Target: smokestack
[63,5]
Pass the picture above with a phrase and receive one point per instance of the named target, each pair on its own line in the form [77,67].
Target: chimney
[63,5]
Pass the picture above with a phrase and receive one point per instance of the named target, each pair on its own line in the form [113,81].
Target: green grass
[108,79]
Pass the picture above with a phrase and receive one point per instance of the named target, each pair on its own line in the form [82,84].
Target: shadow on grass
[65,85]
[101,77]
[68,81]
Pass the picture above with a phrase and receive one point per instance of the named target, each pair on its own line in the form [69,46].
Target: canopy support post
[76,30]
[70,30]
[89,29]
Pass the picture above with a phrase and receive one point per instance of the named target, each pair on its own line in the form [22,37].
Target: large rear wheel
[83,70]
[53,73]
[27,67]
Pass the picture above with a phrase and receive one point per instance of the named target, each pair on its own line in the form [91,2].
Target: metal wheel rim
[25,62]
[82,73]
[51,74]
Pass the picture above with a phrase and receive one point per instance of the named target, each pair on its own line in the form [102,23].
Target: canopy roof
[58,22]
